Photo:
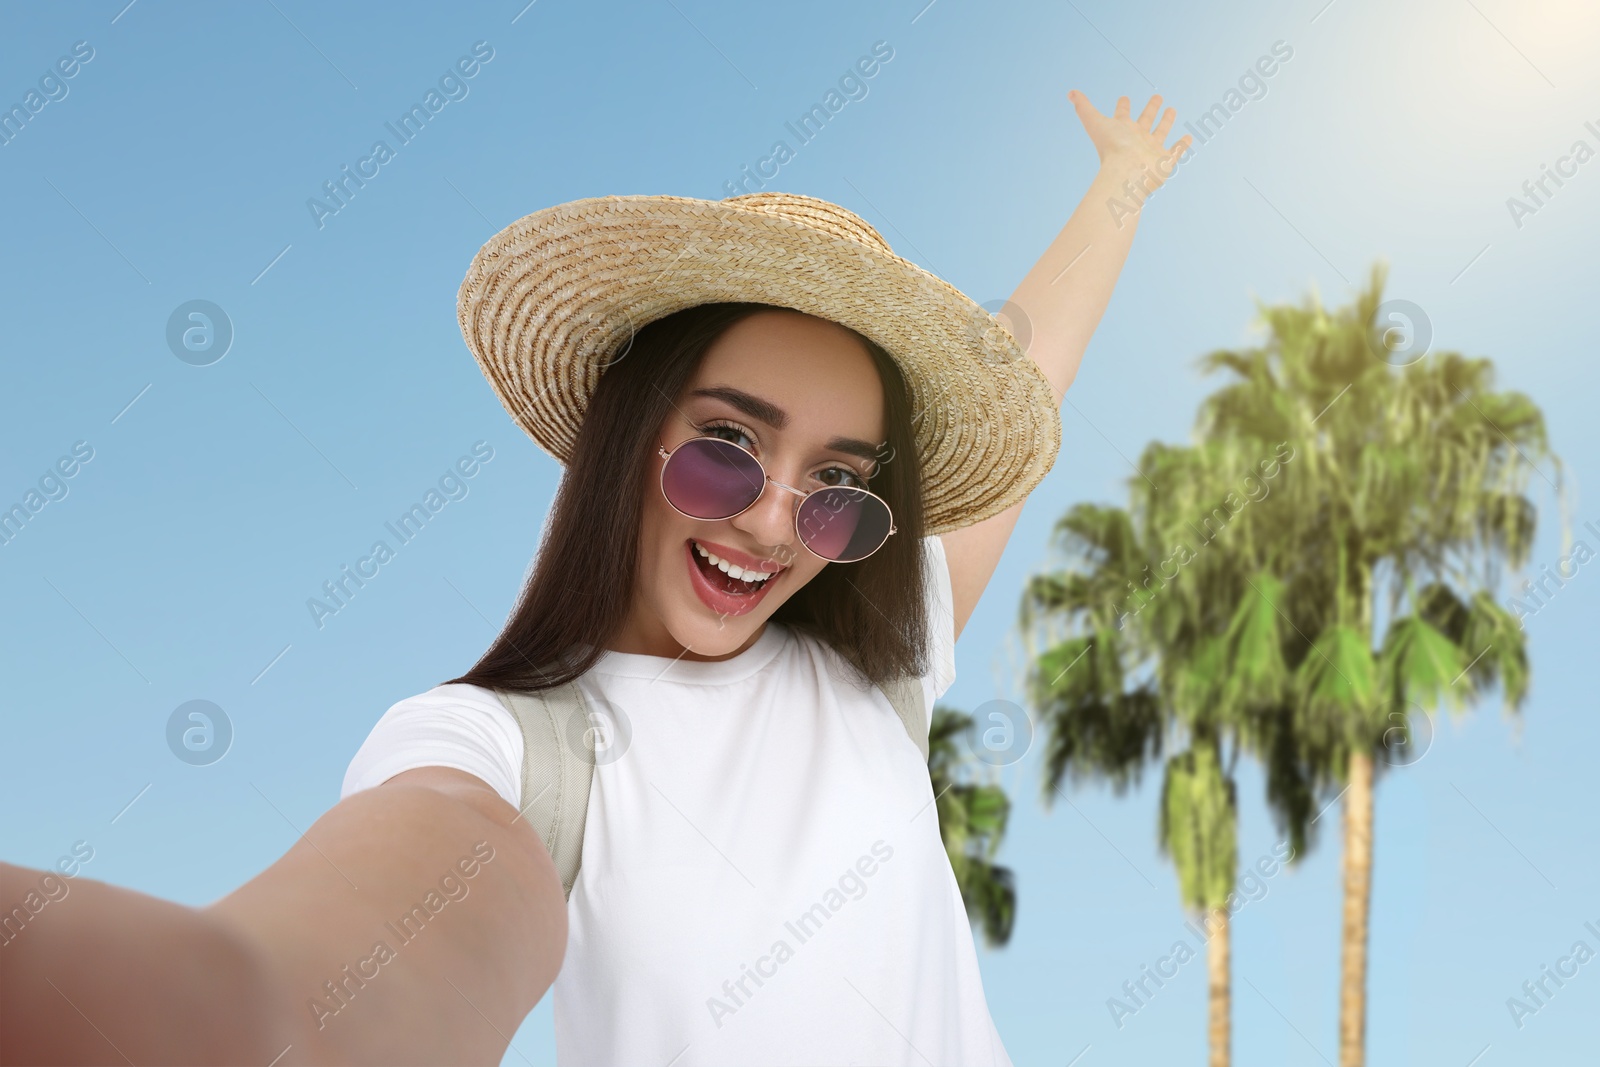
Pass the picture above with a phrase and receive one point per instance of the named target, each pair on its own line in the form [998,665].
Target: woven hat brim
[549,299]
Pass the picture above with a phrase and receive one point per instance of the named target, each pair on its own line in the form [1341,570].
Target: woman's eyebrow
[751,405]
[771,414]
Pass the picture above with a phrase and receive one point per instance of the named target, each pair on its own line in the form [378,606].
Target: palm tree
[972,823]
[1407,501]
[1231,606]
[1159,648]
[1144,663]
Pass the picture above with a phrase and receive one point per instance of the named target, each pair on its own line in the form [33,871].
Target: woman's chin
[715,637]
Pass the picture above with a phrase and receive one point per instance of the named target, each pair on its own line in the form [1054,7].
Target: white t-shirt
[762,880]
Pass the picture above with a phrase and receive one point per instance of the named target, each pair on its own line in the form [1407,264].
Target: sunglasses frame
[801,493]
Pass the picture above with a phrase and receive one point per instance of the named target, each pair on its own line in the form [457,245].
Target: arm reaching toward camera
[417,922]
[1066,292]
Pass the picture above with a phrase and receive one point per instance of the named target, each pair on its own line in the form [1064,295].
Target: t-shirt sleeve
[941,623]
[460,726]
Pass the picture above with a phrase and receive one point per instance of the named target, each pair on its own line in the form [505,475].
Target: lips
[724,595]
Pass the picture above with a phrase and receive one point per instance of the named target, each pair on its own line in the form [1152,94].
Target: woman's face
[801,394]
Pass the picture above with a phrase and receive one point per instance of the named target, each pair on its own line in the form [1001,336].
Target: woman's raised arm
[1065,293]
[417,922]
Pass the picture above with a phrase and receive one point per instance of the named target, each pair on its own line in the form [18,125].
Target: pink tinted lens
[708,478]
[843,524]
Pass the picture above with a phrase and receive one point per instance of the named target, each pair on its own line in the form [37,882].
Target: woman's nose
[770,520]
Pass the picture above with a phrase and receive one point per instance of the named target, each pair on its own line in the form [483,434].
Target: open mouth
[726,587]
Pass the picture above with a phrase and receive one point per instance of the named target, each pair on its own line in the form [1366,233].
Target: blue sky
[175,165]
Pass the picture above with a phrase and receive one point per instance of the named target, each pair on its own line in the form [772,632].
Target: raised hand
[1131,147]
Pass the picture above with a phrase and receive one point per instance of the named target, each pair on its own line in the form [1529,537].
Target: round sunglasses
[709,478]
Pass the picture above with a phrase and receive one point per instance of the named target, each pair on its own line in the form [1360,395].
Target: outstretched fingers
[1165,125]
[1148,116]
[1150,130]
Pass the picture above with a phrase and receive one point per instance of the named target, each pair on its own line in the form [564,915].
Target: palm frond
[1197,829]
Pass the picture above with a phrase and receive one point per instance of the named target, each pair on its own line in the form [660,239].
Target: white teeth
[733,570]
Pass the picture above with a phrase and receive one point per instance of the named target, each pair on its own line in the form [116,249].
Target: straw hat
[552,298]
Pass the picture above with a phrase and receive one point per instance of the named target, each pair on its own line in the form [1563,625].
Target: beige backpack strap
[905,695]
[556,776]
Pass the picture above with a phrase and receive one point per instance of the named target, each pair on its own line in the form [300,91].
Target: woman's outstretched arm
[417,922]
[1066,292]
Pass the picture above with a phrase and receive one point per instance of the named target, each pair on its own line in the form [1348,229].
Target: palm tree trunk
[1219,1029]
[1357,904]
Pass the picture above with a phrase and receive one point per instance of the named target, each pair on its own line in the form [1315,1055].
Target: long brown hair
[871,612]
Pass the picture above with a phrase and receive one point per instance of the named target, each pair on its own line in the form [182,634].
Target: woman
[760,877]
